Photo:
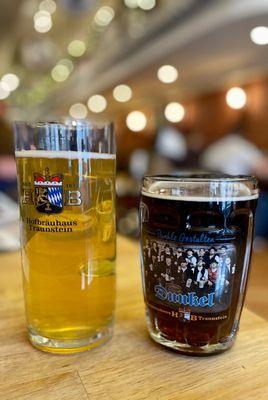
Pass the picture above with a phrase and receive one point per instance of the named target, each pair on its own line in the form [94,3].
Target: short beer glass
[196,238]
[66,184]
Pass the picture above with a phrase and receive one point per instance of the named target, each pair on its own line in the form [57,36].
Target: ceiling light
[68,63]
[97,103]
[48,5]
[236,98]
[167,74]
[60,73]
[122,93]
[146,4]
[11,80]
[40,14]
[76,48]
[42,21]
[104,16]
[174,112]
[136,121]
[4,90]
[78,110]
[259,35]
[131,3]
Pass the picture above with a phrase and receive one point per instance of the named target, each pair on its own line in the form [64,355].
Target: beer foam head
[70,155]
[203,188]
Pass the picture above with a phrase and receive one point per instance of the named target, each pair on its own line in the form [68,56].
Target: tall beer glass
[196,236]
[66,181]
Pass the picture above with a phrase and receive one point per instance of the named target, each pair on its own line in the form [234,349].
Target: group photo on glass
[190,268]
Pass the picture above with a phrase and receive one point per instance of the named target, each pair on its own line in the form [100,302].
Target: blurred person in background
[234,154]
[8,175]
[167,156]
[9,228]
[170,151]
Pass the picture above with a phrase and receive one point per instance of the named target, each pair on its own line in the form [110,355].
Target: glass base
[69,346]
[186,349]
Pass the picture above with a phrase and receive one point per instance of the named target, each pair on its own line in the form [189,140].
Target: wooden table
[130,366]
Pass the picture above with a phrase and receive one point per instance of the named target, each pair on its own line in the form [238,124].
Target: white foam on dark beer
[241,193]
[70,155]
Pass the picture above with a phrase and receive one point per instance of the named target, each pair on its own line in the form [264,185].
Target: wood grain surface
[257,299]
[130,366]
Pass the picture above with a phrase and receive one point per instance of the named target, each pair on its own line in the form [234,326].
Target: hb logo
[48,195]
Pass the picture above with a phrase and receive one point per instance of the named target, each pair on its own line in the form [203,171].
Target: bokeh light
[259,35]
[60,73]
[68,63]
[11,80]
[104,15]
[4,90]
[40,14]
[136,121]
[76,48]
[174,112]
[97,103]
[236,98]
[167,74]
[78,110]
[48,5]
[122,93]
[131,3]
[42,21]
[146,4]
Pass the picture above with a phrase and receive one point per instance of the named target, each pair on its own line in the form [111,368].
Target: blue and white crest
[48,193]
[54,195]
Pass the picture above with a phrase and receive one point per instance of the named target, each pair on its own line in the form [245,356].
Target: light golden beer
[67,202]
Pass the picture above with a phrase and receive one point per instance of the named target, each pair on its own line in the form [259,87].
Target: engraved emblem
[48,193]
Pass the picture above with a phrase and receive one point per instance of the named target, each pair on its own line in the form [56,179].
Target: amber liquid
[69,276]
[223,220]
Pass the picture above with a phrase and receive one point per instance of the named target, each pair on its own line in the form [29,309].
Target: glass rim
[65,135]
[66,123]
[203,177]
[201,187]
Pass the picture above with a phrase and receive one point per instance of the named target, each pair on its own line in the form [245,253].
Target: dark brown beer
[196,255]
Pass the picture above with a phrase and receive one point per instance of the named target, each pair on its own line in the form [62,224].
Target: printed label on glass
[197,277]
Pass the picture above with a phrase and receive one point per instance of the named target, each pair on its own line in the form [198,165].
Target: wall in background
[207,119]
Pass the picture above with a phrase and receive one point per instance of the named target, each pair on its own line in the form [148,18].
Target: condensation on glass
[66,184]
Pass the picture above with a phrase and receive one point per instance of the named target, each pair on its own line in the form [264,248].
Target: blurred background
[186,82]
